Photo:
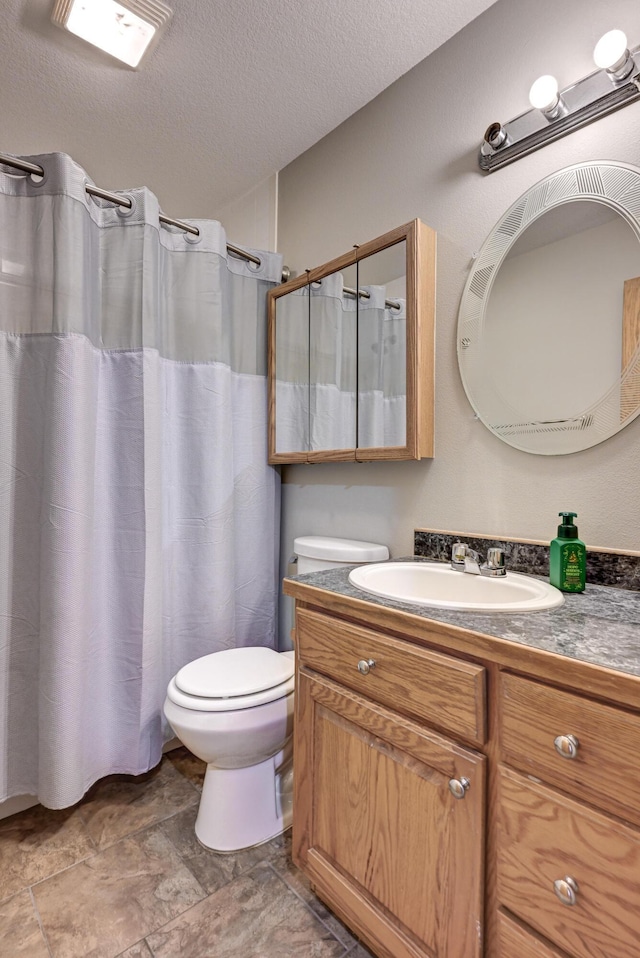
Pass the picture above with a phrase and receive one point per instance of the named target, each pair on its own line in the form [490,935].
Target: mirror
[549,324]
[382,348]
[351,354]
[292,371]
[333,317]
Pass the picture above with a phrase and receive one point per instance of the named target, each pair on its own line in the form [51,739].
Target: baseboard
[16,804]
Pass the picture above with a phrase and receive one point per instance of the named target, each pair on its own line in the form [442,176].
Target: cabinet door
[377,828]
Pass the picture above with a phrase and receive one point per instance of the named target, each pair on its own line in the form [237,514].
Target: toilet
[234,710]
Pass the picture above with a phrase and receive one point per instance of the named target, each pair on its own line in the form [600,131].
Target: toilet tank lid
[235,672]
[339,550]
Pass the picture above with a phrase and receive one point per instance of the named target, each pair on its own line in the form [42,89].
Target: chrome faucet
[465,559]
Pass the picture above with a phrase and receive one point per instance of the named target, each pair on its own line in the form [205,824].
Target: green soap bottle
[568,557]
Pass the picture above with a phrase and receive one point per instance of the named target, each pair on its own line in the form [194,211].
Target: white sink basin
[437,585]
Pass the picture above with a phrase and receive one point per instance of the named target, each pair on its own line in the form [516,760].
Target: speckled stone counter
[600,626]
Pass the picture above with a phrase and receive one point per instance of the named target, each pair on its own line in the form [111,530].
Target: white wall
[251,220]
[412,152]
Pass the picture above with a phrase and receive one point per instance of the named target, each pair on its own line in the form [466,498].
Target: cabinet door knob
[458,786]
[567,746]
[566,889]
[365,666]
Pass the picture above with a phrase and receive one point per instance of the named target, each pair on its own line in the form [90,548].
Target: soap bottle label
[571,569]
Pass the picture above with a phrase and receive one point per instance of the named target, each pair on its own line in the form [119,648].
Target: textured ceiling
[232,93]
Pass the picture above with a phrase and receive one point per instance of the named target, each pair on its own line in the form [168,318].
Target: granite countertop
[600,625]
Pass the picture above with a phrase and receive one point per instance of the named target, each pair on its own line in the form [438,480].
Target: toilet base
[243,807]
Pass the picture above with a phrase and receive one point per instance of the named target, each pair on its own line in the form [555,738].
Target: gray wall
[412,153]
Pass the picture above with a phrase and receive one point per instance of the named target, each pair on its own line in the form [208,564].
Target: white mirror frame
[616,185]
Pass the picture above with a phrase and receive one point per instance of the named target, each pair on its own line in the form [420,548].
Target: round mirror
[549,324]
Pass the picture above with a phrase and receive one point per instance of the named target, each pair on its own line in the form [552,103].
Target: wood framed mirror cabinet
[351,354]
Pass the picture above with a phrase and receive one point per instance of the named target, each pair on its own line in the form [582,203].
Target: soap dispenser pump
[568,557]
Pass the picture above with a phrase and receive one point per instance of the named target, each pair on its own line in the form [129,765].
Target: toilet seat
[233,679]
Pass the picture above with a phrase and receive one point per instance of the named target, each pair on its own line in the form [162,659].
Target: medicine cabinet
[351,354]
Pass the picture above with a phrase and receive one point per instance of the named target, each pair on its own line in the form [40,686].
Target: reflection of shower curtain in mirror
[382,342]
[338,386]
[332,366]
[292,372]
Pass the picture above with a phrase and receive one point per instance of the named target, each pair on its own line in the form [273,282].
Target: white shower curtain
[138,516]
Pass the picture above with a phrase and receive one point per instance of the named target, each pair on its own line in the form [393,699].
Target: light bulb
[610,49]
[543,95]
[612,54]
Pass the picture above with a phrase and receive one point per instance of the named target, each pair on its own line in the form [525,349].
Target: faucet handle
[458,552]
[496,562]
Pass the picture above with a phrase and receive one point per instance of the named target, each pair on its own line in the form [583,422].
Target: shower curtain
[138,516]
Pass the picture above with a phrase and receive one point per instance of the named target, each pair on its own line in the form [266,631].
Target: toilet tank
[316,553]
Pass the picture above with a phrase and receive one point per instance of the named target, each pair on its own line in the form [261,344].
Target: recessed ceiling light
[122,28]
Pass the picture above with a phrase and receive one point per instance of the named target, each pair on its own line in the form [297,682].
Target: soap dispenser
[568,557]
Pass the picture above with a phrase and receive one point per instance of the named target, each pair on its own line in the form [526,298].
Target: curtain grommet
[36,180]
[125,211]
[192,238]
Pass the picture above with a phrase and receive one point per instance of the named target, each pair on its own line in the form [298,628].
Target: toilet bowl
[234,710]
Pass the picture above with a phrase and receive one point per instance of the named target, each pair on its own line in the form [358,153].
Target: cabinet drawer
[544,837]
[604,771]
[514,940]
[440,689]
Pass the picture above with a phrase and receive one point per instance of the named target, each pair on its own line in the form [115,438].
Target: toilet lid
[234,672]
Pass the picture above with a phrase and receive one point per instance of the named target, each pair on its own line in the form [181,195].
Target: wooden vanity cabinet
[377,826]
[540,858]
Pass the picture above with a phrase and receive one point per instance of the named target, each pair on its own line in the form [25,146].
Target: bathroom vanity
[467,785]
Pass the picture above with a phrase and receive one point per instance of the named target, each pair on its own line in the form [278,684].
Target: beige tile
[105,905]
[37,843]
[118,808]
[255,916]
[188,765]
[212,869]
[358,952]
[19,929]
[299,883]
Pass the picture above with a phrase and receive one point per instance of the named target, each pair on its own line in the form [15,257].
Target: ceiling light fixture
[122,28]
[557,112]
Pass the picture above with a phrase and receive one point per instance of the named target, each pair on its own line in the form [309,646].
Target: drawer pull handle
[365,666]
[567,746]
[566,889]
[458,787]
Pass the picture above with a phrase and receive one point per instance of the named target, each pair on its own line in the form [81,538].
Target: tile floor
[121,874]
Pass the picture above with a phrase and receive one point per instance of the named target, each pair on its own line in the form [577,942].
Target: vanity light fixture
[122,28]
[557,112]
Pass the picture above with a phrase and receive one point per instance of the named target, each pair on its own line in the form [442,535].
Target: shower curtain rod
[363,294]
[26,167]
